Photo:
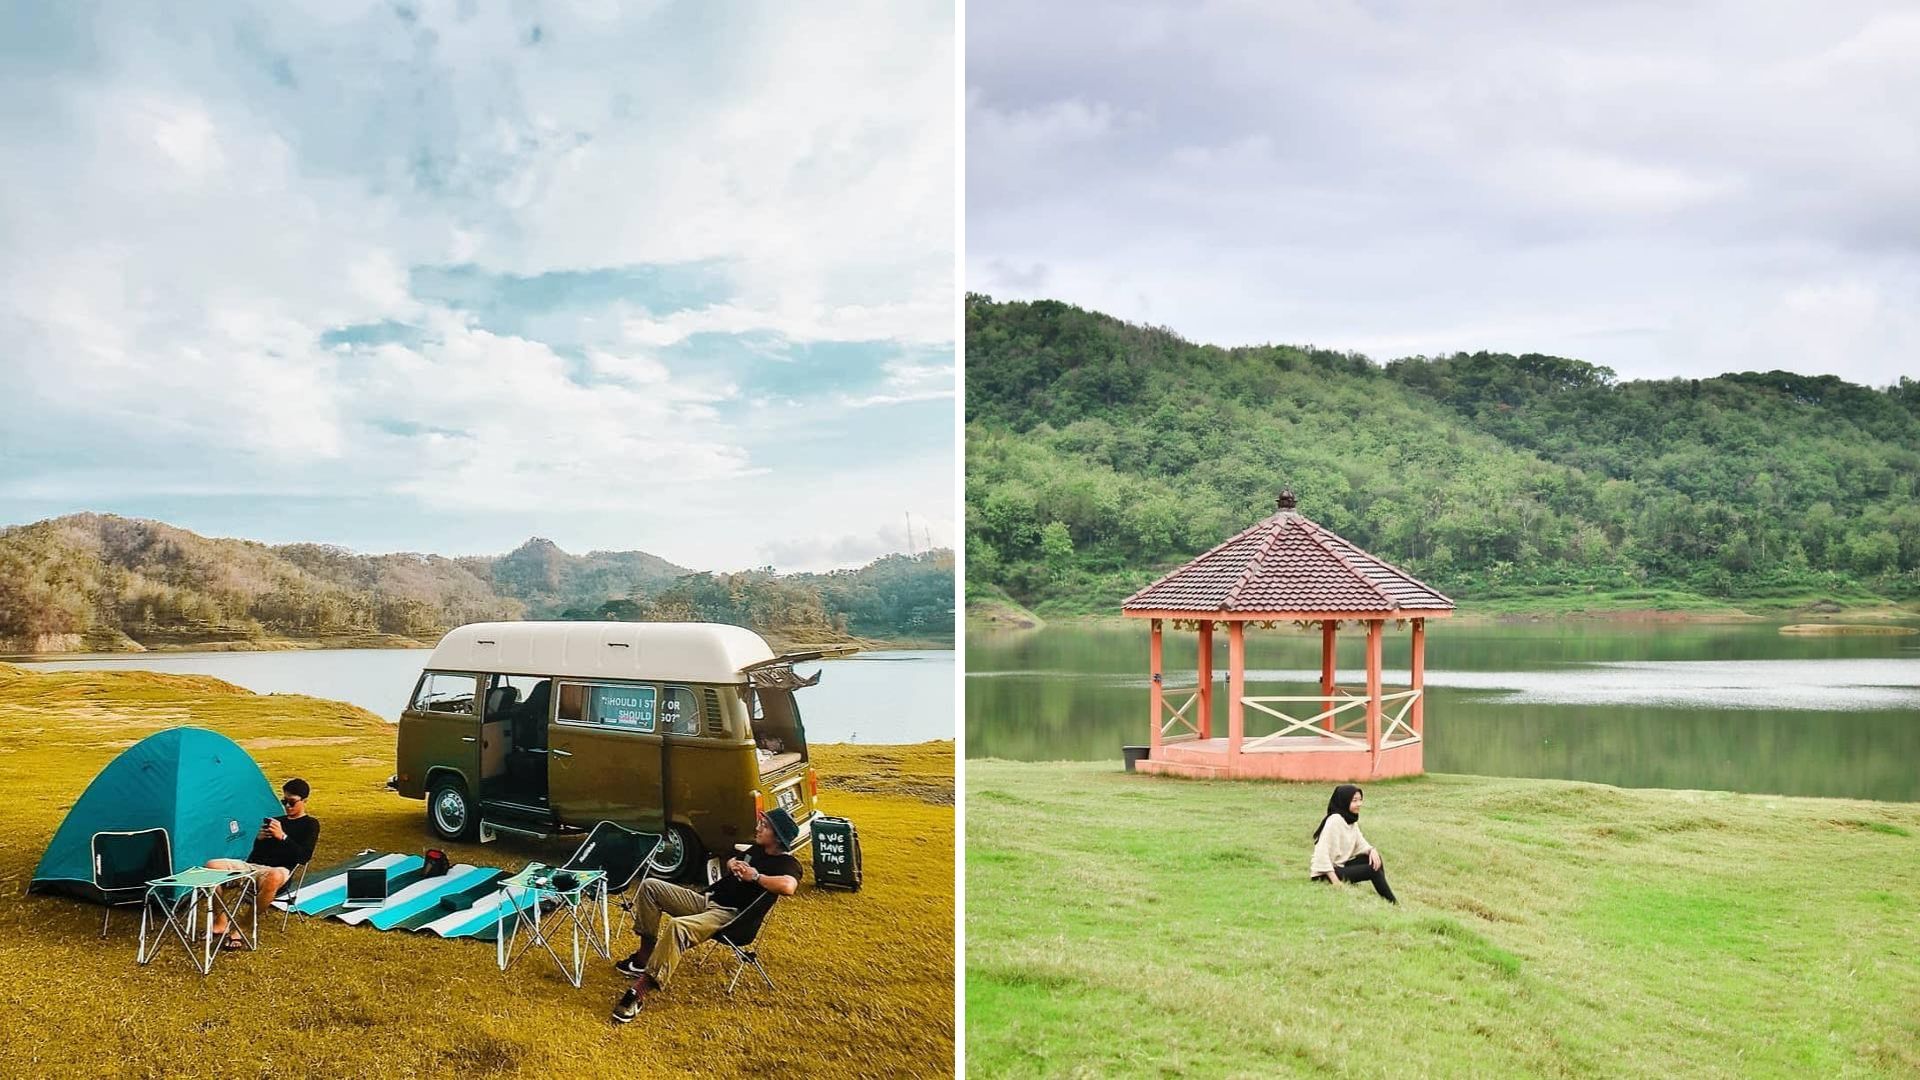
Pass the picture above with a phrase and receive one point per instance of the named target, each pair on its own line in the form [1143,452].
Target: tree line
[107,580]
[1101,453]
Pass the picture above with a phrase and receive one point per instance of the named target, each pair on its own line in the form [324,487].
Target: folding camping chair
[620,853]
[739,934]
[290,892]
[123,863]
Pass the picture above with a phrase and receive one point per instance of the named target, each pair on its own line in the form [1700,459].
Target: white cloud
[917,321]
[826,551]
[510,428]
[186,215]
[908,380]
[1540,177]
[184,134]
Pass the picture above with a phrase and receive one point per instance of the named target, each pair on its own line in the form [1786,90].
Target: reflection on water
[895,696]
[1727,684]
[1738,707]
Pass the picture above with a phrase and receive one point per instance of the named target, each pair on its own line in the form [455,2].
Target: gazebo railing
[1349,731]
[1272,742]
[1353,723]
[1175,718]
[1398,722]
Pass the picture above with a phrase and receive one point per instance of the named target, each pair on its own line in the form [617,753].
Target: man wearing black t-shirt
[671,919]
[282,845]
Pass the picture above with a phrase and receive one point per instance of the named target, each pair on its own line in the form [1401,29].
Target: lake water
[891,696]
[1736,707]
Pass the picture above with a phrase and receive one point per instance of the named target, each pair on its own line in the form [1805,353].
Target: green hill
[1101,453]
[548,580]
[100,582]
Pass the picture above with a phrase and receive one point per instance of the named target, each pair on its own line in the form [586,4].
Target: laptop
[366,888]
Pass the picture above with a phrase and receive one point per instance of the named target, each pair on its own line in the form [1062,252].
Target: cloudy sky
[444,275]
[1664,188]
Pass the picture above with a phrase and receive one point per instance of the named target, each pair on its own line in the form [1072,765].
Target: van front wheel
[679,856]
[450,812]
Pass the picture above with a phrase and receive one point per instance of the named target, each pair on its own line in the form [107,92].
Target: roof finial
[1286,499]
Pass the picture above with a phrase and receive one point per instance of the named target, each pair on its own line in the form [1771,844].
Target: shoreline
[135,679]
[1101,764]
[265,645]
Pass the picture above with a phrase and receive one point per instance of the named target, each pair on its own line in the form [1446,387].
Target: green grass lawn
[1126,924]
[865,979]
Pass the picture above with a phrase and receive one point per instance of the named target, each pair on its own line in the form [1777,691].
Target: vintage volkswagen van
[688,729]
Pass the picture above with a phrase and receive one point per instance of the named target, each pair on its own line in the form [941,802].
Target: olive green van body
[696,761]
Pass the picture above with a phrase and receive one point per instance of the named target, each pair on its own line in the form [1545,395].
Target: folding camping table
[179,897]
[528,893]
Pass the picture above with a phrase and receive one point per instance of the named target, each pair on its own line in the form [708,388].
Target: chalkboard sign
[836,853]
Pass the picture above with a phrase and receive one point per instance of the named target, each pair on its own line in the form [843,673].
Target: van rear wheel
[450,811]
[679,856]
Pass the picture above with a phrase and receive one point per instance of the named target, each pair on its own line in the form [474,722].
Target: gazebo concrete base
[1305,757]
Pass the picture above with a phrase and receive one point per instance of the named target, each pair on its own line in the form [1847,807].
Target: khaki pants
[266,882]
[676,919]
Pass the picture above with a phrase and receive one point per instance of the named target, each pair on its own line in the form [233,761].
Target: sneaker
[631,966]
[627,1007]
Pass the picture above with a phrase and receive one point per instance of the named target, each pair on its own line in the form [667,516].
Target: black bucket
[1131,754]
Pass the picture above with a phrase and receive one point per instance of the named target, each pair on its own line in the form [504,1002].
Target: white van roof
[682,652]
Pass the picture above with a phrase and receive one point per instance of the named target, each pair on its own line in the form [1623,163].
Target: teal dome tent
[196,784]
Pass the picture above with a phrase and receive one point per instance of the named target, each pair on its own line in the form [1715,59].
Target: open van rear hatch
[777,672]
[778,734]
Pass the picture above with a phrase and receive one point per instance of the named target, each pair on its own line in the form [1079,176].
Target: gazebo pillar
[1374,627]
[1154,691]
[1328,627]
[1419,679]
[1205,671]
[1236,689]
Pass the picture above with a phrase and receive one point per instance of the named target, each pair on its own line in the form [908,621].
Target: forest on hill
[101,582]
[1102,453]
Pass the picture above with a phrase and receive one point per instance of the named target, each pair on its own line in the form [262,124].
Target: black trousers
[1359,868]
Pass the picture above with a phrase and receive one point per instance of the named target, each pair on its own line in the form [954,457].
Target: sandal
[233,943]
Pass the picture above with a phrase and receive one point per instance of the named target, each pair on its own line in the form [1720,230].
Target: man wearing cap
[671,920]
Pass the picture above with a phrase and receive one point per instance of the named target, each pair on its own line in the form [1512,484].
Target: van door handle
[466,738]
[561,753]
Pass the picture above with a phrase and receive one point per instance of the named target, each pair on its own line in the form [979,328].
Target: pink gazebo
[1288,569]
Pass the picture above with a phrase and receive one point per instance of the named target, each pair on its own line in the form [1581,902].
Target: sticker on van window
[681,714]
[627,707]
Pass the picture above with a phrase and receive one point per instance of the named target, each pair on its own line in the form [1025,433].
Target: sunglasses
[289,800]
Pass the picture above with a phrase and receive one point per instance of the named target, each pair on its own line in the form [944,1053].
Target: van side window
[680,711]
[628,708]
[512,697]
[444,693]
[573,702]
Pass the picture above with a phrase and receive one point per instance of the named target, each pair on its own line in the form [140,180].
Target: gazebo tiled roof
[1287,563]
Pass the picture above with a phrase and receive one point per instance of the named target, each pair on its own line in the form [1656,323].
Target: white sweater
[1338,842]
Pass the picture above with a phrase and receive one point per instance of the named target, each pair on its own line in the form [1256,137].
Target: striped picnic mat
[462,903]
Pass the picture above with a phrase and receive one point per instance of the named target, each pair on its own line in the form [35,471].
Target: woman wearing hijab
[1340,853]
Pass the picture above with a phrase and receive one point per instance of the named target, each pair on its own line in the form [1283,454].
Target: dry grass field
[865,979]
